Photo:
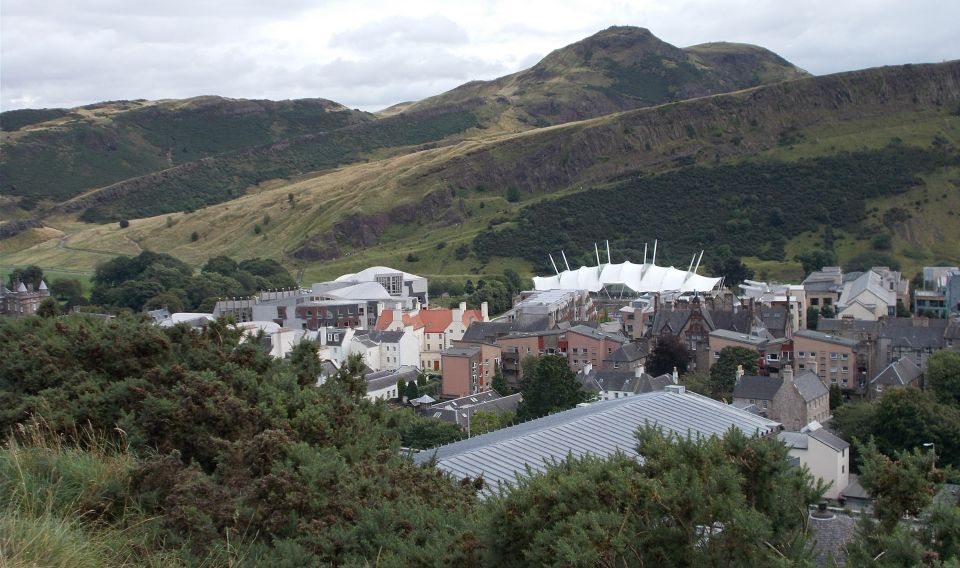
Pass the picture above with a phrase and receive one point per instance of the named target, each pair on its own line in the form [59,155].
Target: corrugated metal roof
[599,429]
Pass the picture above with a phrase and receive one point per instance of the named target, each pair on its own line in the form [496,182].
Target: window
[616,365]
[765,404]
[846,369]
[844,356]
[716,354]
[814,301]
[803,354]
[609,350]
[833,355]
[843,468]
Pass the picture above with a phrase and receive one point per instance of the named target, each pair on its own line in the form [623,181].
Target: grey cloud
[402,31]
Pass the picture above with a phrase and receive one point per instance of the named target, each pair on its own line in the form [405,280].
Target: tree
[813,317]
[194,236]
[305,359]
[402,388]
[169,300]
[669,353]
[815,259]
[733,270]
[29,276]
[943,376]
[867,260]
[351,375]
[499,383]
[618,511]
[514,282]
[723,374]
[900,486]
[513,194]
[549,386]
[698,382]
[124,223]
[48,308]
[412,391]
[483,421]
[827,311]
[462,251]
[836,397]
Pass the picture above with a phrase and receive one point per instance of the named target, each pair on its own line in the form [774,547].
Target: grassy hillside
[620,68]
[381,211]
[54,155]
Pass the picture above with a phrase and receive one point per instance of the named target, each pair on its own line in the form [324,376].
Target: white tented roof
[638,277]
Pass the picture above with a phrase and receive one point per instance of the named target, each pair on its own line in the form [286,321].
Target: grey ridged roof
[810,386]
[829,439]
[385,336]
[383,379]
[459,412]
[629,353]
[599,429]
[597,334]
[797,440]
[460,351]
[740,337]
[755,387]
[899,373]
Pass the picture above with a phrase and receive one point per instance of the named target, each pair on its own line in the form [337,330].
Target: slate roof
[488,332]
[629,353]
[759,388]
[899,373]
[906,334]
[828,325]
[740,337]
[676,320]
[598,429]
[730,320]
[774,318]
[829,338]
[810,386]
[384,336]
[821,435]
[460,410]
[624,381]
[952,331]
[596,334]
[796,440]
[383,379]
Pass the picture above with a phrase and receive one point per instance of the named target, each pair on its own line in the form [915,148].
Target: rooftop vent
[679,389]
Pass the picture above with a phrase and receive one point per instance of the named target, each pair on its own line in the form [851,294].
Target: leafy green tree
[815,259]
[548,386]
[667,354]
[402,388]
[29,276]
[836,397]
[514,282]
[305,359]
[813,317]
[733,270]
[483,421]
[867,260]
[221,265]
[48,308]
[495,294]
[698,382]
[723,373]
[412,391]
[499,383]
[827,311]
[943,376]
[168,300]
[900,486]
[619,511]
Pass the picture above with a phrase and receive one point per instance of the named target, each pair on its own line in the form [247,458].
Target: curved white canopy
[638,277]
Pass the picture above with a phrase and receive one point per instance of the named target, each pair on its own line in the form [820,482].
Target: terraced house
[831,357]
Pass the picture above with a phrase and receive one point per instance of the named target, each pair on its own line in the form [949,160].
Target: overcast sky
[370,54]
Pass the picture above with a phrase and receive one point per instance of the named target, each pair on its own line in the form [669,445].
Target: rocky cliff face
[736,124]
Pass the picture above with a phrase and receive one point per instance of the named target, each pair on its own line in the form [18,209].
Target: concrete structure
[21,299]
[825,455]
[791,400]
[548,308]
[598,429]
[823,287]
[873,295]
[463,371]
[586,345]
[832,358]
[397,283]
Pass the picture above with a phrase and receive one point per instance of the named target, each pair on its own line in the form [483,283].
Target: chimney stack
[739,373]
[485,311]
[676,376]
[587,368]
[788,373]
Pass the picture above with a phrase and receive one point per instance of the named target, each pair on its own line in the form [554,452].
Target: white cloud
[374,53]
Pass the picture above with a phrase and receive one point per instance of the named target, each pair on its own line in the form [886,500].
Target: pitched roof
[810,386]
[599,429]
[460,351]
[828,325]
[460,410]
[629,352]
[384,379]
[624,381]
[899,373]
[830,537]
[432,321]
[384,336]
[755,340]
[754,387]
[821,435]
[730,320]
[907,334]
[797,440]
[952,331]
